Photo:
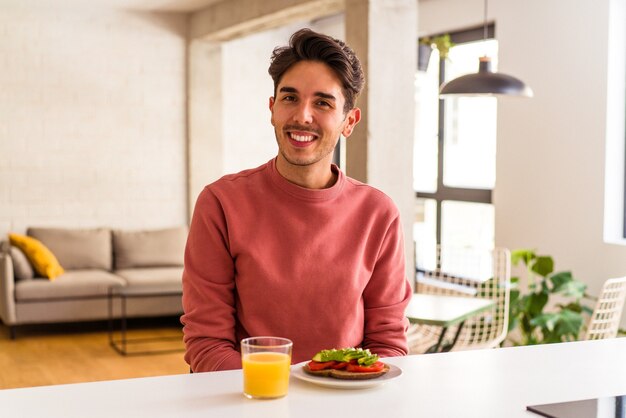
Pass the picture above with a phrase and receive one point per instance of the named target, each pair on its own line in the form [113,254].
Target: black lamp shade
[485,83]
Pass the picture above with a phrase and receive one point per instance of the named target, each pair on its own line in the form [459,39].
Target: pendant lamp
[485,82]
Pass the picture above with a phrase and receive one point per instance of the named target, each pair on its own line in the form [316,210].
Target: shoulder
[242,180]
[370,196]
[232,187]
[243,176]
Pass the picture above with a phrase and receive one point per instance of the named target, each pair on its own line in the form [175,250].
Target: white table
[481,383]
[444,311]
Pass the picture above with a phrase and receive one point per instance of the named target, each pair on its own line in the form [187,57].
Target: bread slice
[345,375]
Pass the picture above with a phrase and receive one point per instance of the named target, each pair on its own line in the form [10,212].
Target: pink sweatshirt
[324,268]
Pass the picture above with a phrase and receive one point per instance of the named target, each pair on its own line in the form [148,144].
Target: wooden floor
[72,353]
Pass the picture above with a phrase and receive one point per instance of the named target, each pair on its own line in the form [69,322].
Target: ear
[352,118]
[271,106]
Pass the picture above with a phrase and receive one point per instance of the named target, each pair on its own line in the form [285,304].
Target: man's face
[308,116]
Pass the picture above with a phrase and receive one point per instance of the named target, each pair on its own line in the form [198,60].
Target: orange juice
[265,375]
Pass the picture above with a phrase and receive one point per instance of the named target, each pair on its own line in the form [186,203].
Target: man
[294,248]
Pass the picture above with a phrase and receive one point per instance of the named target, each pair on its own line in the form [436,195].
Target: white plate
[297,372]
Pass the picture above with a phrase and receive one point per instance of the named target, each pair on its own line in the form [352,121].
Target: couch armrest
[7,290]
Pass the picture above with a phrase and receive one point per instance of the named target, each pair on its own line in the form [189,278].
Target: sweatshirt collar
[304,193]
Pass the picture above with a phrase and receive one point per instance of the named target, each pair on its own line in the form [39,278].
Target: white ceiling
[145,5]
[160,5]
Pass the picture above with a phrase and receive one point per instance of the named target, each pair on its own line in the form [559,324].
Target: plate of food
[346,368]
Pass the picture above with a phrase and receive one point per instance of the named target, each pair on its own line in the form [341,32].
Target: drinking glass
[265,362]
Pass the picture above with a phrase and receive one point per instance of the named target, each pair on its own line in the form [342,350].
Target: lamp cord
[485,22]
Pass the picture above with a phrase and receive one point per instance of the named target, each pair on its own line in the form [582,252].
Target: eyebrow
[321,94]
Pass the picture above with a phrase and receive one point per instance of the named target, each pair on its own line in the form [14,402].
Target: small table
[444,311]
[131,292]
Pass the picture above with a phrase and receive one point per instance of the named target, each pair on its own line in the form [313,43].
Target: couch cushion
[150,248]
[75,283]
[22,269]
[160,276]
[78,249]
[41,258]
[5,246]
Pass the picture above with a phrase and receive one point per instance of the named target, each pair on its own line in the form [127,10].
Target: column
[383,33]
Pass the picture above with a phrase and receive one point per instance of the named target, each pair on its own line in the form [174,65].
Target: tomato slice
[317,365]
[339,365]
[376,367]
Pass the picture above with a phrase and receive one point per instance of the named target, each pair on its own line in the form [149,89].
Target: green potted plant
[562,322]
[425,47]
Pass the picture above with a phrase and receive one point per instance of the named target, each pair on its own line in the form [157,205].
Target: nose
[303,114]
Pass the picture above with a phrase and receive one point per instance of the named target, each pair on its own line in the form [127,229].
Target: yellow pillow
[42,259]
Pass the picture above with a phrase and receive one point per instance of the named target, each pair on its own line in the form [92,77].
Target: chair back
[469,272]
[607,313]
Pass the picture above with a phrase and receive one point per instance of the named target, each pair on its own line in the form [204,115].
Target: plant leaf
[560,279]
[558,326]
[512,323]
[573,306]
[546,320]
[543,265]
[443,44]
[570,323]
[524,255]
[534,303]
[514,296]
[573,288]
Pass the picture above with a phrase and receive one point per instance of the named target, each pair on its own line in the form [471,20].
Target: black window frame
[443,192]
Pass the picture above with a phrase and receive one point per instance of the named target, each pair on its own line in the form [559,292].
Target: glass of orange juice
[265,362]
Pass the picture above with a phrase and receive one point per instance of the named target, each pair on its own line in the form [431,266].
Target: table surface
[442,310]
[480,383]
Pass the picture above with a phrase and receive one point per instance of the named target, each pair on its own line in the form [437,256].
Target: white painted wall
[92,118]
[205,112]
[551,149]
[438,16]
[248,139]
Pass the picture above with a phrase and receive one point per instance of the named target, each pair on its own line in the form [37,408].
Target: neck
[314,176]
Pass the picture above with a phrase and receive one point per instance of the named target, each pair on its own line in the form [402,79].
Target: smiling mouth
[301,137]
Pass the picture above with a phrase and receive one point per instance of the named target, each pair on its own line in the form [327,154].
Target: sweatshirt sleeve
[386,297]
[209,290]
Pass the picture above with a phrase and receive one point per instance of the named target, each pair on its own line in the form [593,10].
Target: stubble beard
[301,162]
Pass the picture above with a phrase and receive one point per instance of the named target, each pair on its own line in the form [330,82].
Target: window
[454,153]
[624,184]
[615,137]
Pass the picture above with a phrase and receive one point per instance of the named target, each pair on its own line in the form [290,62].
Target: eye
[289,98]
[323,103]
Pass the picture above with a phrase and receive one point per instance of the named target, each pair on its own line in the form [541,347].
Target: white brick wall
[92,119]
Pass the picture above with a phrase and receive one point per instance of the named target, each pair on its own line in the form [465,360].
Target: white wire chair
[607,313]
[470,273]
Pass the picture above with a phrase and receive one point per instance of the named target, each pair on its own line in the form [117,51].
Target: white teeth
[302,138]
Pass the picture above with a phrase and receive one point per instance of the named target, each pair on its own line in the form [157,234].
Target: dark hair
[307,45]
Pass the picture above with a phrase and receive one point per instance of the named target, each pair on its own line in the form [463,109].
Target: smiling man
[308,117]
[294,248]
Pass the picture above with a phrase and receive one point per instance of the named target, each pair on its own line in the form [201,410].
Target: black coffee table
[133,292]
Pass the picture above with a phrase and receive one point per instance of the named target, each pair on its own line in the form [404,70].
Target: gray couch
[95,260]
